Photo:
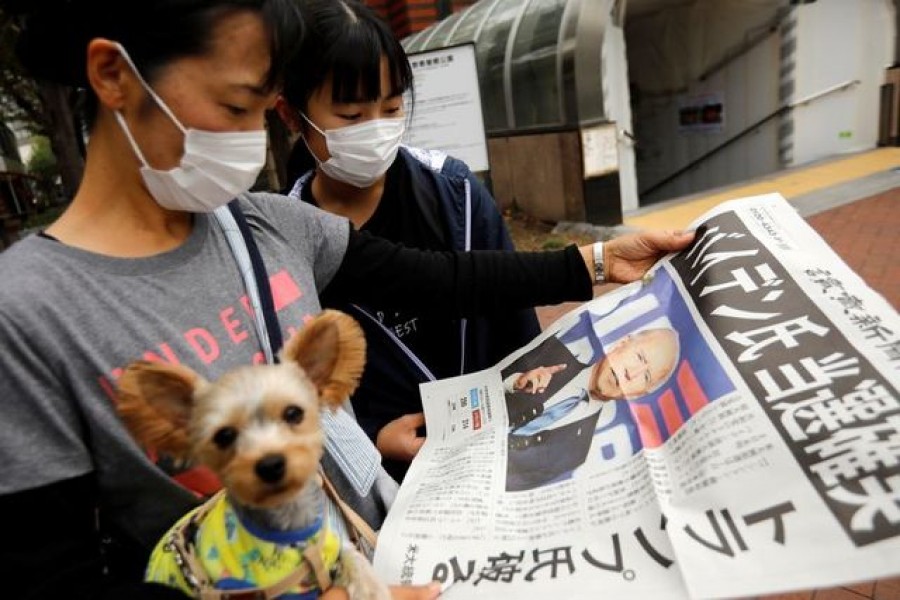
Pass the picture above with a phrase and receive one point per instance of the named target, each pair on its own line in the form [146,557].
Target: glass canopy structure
[538,60]
[552,78]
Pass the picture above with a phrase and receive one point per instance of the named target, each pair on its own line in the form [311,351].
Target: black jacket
[462,214]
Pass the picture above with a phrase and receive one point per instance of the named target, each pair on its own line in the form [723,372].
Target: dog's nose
[270,468]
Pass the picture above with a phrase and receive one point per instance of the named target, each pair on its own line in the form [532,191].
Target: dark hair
[55,33]
[345,40]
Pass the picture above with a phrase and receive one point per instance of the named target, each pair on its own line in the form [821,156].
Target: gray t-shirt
[71,319]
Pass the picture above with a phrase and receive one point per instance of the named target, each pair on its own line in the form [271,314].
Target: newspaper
[729,426]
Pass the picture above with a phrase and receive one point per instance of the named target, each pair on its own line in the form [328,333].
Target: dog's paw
[358,577]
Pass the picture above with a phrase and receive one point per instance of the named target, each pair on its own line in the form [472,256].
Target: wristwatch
[599,266]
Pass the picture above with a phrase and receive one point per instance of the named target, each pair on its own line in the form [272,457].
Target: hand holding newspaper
[729,426]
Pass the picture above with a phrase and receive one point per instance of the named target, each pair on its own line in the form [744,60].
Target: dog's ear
[155,401]
[332,350]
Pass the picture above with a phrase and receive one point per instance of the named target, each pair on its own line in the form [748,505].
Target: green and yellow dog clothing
[210,550]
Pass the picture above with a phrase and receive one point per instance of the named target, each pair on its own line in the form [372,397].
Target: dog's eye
[293,414]
[225,437]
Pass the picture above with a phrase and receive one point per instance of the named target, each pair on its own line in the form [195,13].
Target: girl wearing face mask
[139,266]
[343,97]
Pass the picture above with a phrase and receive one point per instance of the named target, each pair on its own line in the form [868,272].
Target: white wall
[25,142]
[616,107]
[836,41]
[667,53]
[25,151]
[839,41]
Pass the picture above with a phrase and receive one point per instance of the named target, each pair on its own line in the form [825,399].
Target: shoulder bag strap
[253,270]
[256,279]
[356,523]
[266,299]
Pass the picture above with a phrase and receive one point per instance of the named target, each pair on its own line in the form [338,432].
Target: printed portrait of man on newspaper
[606,387]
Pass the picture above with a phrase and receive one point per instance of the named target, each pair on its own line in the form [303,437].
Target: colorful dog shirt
[232,556]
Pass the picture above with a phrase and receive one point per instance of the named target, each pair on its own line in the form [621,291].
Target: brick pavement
[866,235]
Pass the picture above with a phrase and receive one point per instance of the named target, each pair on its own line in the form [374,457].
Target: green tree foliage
[19,98]
[41,107]
[42,162]
[42,165]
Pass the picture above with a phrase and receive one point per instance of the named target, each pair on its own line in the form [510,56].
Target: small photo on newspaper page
[728,426]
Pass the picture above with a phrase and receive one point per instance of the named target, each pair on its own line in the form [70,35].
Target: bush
[42,163]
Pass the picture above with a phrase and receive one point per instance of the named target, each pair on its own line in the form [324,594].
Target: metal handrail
[777,113]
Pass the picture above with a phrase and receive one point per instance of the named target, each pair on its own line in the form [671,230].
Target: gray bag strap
[238,245]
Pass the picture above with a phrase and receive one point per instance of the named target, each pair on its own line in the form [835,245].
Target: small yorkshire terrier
[257,427]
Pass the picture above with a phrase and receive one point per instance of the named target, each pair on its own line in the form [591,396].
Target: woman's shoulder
[20,260]
[301,224]
[26,270]
[265,202]
[276,207]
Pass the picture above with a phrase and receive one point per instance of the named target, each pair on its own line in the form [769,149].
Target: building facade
[409,16]
[693,95]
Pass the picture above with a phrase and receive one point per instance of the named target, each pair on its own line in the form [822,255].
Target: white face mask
[360,153]
[215,166]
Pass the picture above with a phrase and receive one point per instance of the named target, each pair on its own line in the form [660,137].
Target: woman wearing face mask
[343,96]
[138,267]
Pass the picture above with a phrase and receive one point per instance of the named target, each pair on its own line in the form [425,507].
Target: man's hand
[536,380]
[416,592]
[628,257]
[398,440]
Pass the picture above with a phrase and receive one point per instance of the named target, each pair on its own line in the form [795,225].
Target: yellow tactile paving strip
[793,183]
